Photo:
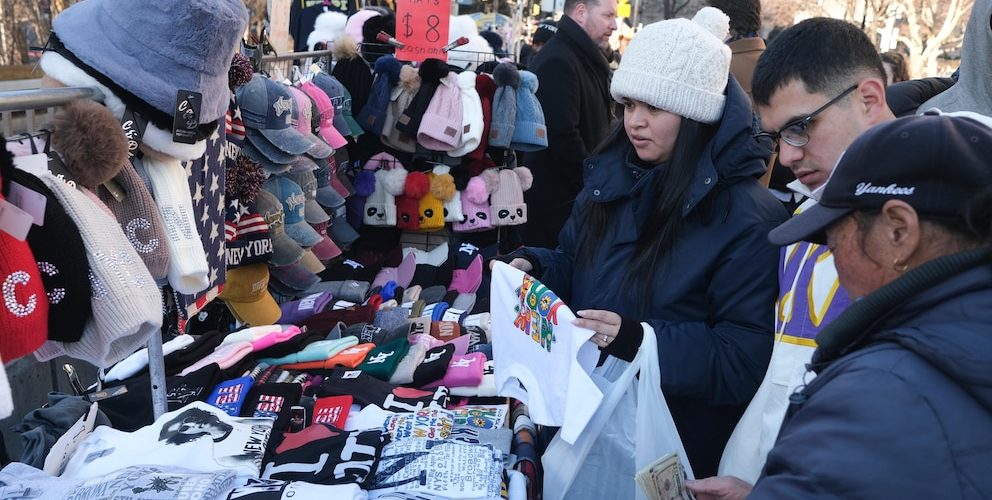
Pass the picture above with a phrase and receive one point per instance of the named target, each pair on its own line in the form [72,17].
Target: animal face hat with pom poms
[509,208]
[390,180]
[442,189]
[477,212]
[449,194]
[415,187]
[679,66]
[105,44]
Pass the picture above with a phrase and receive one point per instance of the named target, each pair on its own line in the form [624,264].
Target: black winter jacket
[574,91]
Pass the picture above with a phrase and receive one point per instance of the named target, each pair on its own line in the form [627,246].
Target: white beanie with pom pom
[679,66]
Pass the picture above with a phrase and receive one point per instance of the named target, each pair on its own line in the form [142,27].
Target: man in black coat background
[574,91]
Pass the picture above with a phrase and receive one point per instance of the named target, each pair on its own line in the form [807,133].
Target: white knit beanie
[678,65]
[127,306]
[188,266]
[472,118]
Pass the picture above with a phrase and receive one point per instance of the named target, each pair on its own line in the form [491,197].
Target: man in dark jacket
[574,93]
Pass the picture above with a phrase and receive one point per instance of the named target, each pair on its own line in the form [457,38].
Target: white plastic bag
[631,428]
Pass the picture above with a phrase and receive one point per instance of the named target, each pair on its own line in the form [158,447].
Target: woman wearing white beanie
[671,230]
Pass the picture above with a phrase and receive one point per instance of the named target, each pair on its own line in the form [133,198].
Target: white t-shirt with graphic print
[540,358]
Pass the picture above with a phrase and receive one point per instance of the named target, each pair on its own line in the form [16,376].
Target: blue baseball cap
[312,212]
[335,91]
[290,194]
[270,167]
[285,250]
[327,196]
[267,111]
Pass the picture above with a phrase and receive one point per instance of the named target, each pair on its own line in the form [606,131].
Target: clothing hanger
[297,75]
[278,76]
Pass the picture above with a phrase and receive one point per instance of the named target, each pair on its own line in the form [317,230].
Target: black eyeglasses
[794,133]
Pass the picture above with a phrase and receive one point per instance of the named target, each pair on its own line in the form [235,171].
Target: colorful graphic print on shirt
[537,312]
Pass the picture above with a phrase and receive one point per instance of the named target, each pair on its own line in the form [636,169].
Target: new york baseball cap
[934,162]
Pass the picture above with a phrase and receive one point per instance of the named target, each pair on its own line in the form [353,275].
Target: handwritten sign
[422,25]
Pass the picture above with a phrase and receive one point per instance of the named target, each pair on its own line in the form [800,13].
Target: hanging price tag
[422,26]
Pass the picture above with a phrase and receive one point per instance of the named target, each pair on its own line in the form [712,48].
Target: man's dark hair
[745,15]
[569,6]
[826,55]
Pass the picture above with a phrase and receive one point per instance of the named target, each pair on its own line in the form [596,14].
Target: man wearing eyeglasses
[817,87]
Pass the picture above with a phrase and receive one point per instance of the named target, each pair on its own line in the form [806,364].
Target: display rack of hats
[399,378]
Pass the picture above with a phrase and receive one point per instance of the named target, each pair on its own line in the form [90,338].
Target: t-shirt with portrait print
[198,437]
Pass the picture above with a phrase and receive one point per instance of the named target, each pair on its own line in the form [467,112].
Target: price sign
[422,26]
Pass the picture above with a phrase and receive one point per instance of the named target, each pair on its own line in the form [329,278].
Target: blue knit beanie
[529,130]
[507,79]
[387,73]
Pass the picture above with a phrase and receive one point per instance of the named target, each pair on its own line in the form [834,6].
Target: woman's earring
[899,267]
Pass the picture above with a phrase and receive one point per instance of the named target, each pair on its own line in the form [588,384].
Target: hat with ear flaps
[94,151]
[141,53]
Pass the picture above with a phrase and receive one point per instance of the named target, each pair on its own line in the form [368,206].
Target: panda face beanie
[507,79]
[679,66]
[529,131]
[441,128]
[390,179]
[509,208]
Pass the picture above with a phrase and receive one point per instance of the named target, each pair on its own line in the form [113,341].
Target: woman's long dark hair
[669,192]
